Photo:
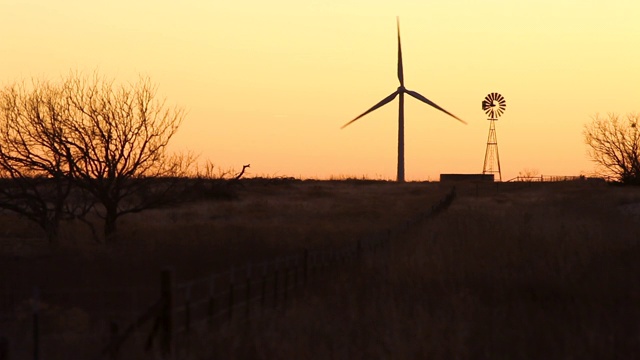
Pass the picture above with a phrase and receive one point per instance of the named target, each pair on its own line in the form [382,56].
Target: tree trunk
[110,221]
[51,228]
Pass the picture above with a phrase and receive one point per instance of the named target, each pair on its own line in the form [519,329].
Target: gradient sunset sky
[271,82]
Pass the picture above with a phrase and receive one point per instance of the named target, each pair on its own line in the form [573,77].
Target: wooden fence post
[286,285]
[113,333]
[248,290]
[263,291]
[187,309]
[4,348]
[231,279]
[296,268]
[167,287]
[212,302]
[275,286]
[36,323]
[305,259]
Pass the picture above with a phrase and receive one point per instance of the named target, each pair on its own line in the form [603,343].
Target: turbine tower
[400,93]
[493,105]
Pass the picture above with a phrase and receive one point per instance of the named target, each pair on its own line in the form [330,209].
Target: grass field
[547,271]
[268,219]
[515,271]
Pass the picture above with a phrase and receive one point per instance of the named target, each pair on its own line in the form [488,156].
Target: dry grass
[542,272]
[267,220]
[527,272]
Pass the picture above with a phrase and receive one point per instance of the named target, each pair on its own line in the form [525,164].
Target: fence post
[212,301]
[231,294]
[296,270]
[305,259]
[167,287]
[248,290]
[187,309]
[286,285]
[275,286]
[113,333]
[263,294]
[36,323]
[4,348]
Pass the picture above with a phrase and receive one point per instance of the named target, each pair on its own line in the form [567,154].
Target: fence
[242,293]
[545,178]
[218,301]
[29,320]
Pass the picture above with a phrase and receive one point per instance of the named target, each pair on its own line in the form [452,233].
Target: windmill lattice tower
[493,105]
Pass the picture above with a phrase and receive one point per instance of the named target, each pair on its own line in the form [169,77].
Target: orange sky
[270,83]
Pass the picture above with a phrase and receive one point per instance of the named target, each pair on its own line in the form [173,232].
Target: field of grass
[515,271]
[268,219]
[547,271]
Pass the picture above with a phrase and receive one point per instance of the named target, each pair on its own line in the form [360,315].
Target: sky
[270,83]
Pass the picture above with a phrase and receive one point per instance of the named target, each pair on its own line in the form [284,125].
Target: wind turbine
[400,92]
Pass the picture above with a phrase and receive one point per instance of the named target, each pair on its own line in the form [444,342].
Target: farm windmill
[493,105]
[400,92]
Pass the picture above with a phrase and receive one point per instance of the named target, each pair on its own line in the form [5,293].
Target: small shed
[466,177]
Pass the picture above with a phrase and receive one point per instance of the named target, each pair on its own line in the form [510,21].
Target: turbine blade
[374,107]
[400,69]
[429,102]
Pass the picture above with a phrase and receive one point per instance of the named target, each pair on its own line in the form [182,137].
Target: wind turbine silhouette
[400,92]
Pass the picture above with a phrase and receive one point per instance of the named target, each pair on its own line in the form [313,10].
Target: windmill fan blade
[374,107]
[429,102]
[400,69]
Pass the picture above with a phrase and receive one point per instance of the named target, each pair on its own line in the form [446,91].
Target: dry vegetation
[542,272]
[267,219]
[527,272]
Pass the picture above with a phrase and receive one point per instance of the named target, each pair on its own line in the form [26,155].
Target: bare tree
[614,145]
[60,142]
[116,144]
[35,176]
[529,174]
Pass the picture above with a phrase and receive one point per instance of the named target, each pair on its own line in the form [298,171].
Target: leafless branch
[614,144]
